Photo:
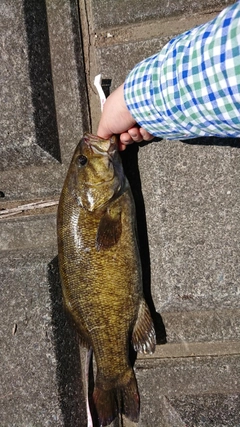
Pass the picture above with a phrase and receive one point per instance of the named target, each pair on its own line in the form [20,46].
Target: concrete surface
[191,202]
[109,14]
[45,110]
[187,384]
[37,182]
[40,366]
[43,93]
[187,199]
[28,119]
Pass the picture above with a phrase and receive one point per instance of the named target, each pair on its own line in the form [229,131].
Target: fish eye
[82,160]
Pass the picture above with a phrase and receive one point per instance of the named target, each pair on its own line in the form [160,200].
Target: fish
[101,274]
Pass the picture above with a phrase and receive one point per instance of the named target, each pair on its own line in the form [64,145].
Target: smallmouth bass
[100,271]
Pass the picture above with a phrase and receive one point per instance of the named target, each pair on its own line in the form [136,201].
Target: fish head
[96,171]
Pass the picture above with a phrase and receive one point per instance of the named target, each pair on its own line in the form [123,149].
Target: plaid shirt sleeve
[191,87]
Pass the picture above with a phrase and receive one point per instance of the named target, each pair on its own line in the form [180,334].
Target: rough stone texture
[108,14]
[194,238]
[130,53]
[32,182]
[194,375]
[187,199]
[28,119]
[30,231]
[44,110]
[186,384]
[201,325]
[204,410]
[41,373]
[44,95]
[68,71]
[194,349]
[218,410]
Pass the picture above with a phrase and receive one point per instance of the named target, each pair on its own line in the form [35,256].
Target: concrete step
[41,365]
[187,199]
[190,385]
[106,14]
[41,372]
[44,96]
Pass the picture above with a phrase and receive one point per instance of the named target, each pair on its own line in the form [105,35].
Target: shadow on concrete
[80,64]
[214,140]
[69,373]
[130,164]
[204,140]
[40,74]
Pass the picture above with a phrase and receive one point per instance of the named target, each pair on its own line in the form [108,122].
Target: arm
[190,89]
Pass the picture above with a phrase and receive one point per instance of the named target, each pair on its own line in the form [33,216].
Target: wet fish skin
[100,272]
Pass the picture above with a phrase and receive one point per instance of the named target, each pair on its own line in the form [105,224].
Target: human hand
[117,119]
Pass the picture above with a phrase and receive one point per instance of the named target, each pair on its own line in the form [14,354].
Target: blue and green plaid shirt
[191,87]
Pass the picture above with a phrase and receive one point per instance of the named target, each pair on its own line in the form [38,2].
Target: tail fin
[122,399]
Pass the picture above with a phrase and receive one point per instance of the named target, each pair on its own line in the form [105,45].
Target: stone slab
[214,410]
[201,325]
[187,203]
[109,14]
[28,232]
[183,321]
[130,53]
[41,373]
[174,392]
[41,357]
[218,410]
[191,197]
[195,349]
[28,119]
[44,96]
[192,375]
[201,239]
[68,70]
[32,182]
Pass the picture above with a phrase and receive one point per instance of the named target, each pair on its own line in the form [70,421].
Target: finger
[146,136]
[135,134]
[125,138]
[121,146]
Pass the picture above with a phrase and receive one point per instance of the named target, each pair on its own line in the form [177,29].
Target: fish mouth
[105,147]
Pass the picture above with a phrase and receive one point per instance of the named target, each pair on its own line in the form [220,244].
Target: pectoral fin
[109,229]
[143,336]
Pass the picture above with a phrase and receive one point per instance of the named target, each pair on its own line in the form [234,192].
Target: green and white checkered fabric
[191,87]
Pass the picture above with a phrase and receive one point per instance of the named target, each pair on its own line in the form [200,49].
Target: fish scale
[100,272]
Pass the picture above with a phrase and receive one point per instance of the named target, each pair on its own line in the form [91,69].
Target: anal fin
[143,336]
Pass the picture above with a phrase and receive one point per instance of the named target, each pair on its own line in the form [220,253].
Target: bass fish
[100,271]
